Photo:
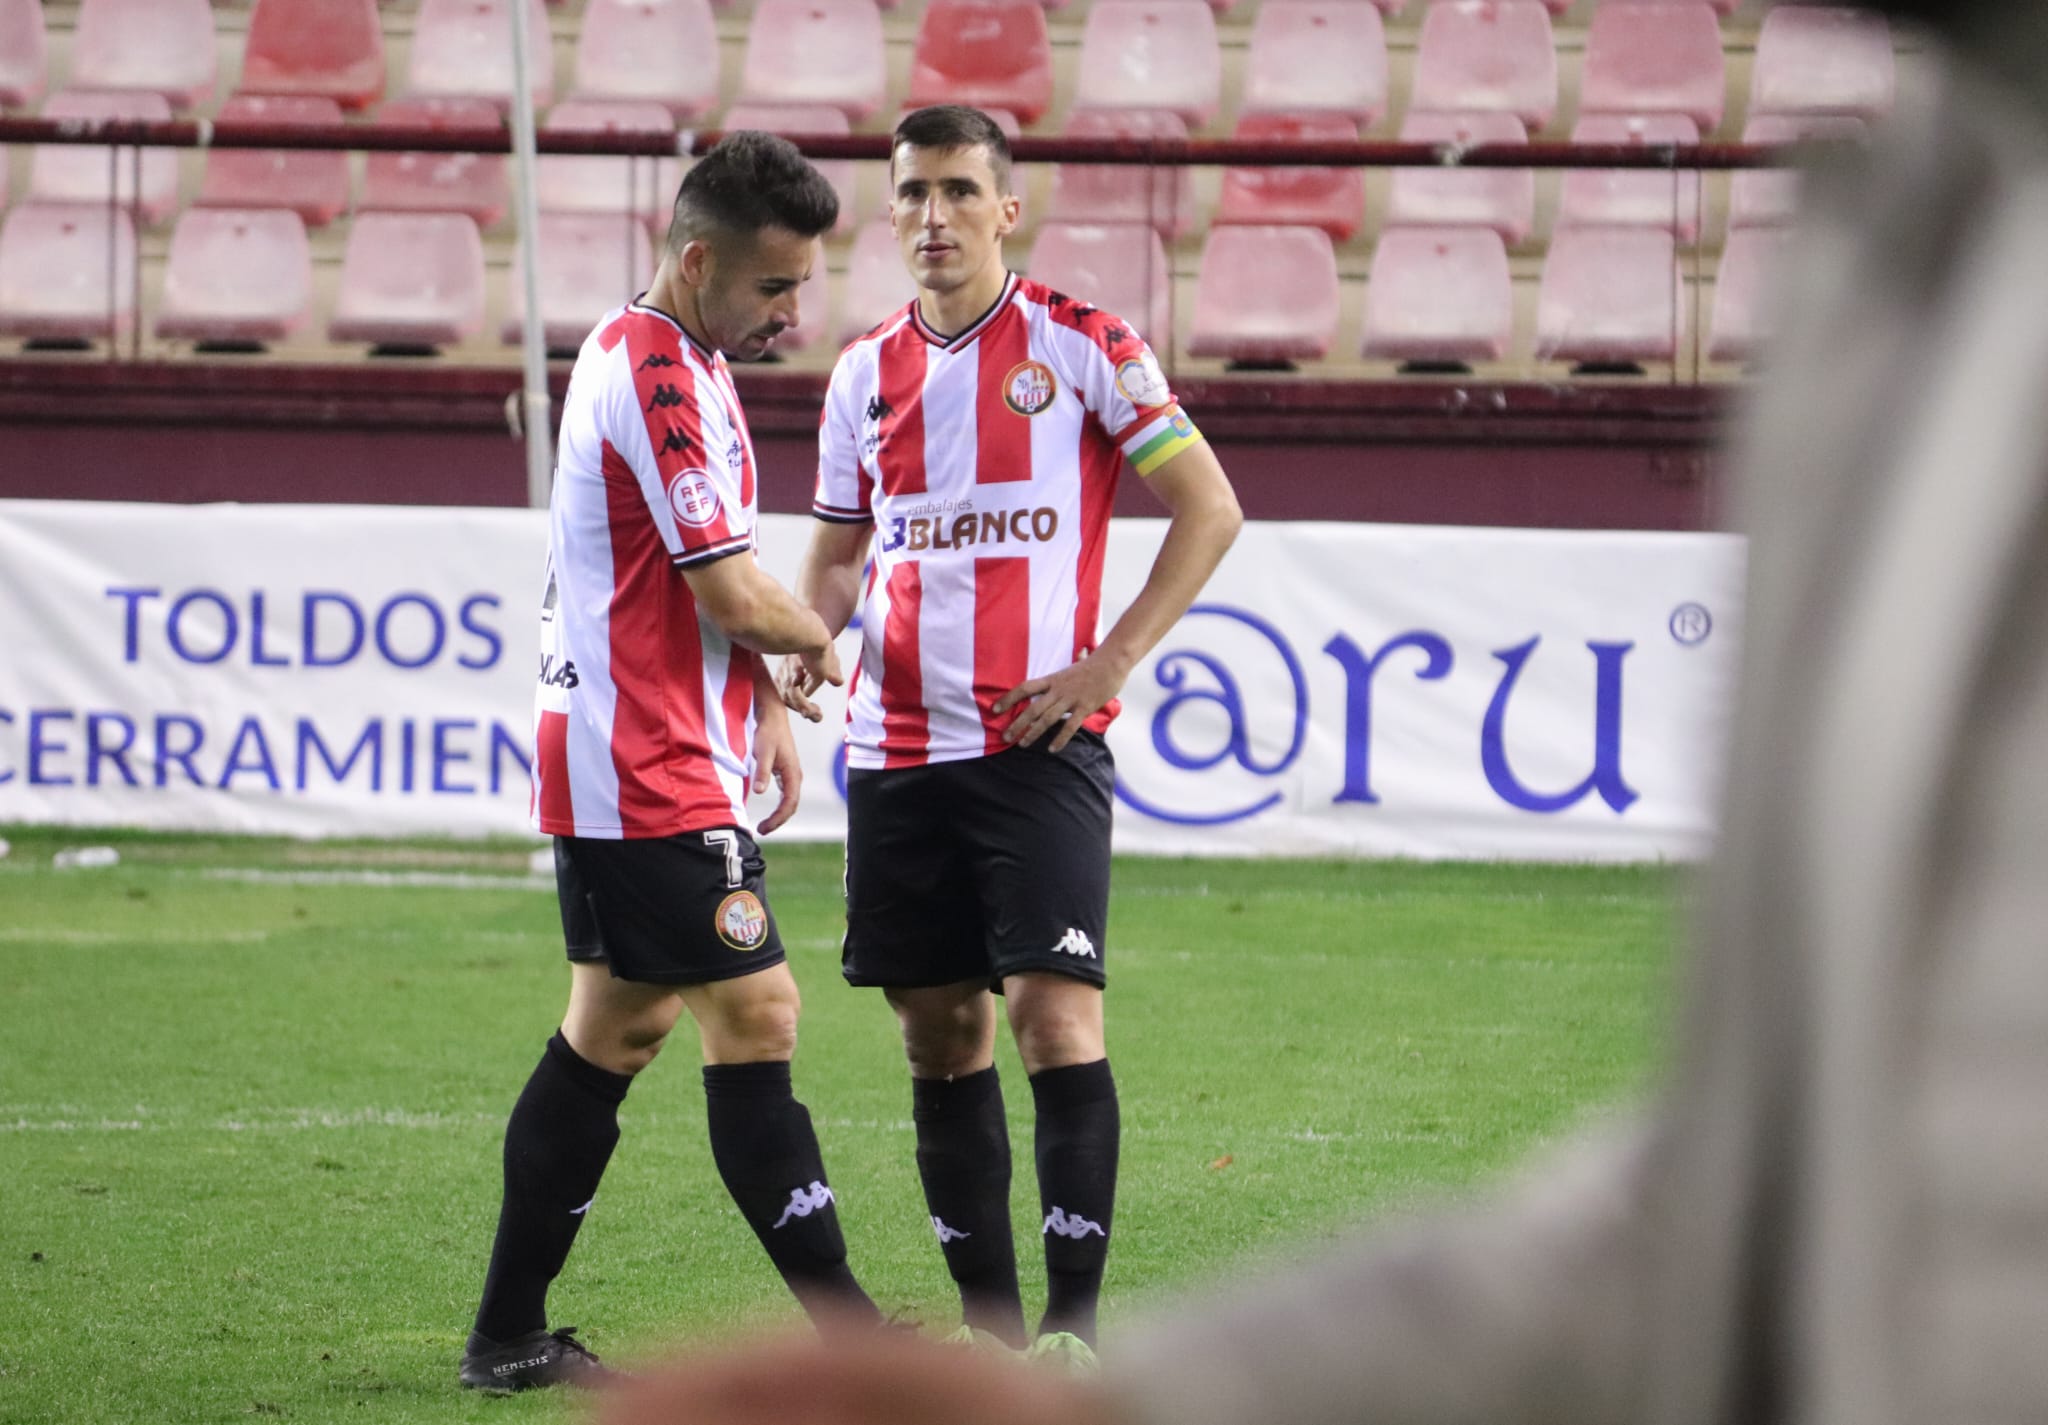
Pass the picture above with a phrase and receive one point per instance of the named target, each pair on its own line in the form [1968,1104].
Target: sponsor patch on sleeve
[694,498]
[1141,380]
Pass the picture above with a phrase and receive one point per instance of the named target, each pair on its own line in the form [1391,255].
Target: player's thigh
[617,1024]
[747,1019]
[948,1030]
[912,918]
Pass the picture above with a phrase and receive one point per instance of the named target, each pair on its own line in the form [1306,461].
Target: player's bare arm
[750,608]
[1205,522]
[775,757]
[829,584]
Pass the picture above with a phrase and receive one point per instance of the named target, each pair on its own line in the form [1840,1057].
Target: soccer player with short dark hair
[975,440]
[654,713]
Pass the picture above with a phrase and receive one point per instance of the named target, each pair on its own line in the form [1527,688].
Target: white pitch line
[432,880]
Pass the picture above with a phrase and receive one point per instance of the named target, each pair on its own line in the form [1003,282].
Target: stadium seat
[410,281]
[1119,267]
[1439,297]
[1626,198]
[24,53]
[575,183]
[1611,297]
[329,49]
[877,282]
[1721,7]
[236,276]
[1487,56]
[1318,56]
[311,183]
[1332,199]
[162,46]
[1815,59]
[1769,197]
[1123,192]
[665,51]
[805,119]
[77,173]
[1503,199]
[816,52]
[422,181]
[54,277]
[1743,309]
[1265,296]
[1655,59]
[993,54]
[814,310]
[1150,54]
[463,48]
[589,264]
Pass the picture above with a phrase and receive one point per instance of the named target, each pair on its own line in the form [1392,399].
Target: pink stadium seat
[311,183]
[331,49]
[805,119]
[877,282]
[77,173]
[574,183]
[993,54]
[431,182]
[1318,55]
[236,275]
[660,50]
[816,52]
[1439,297]
[1623,198]
[1266,295]
[1122,192]
[1332,199]
[24,53]
[410,280]
[1150,54]
[1743,309]
[1119,267]
[1814,59]
[1655,59]
[1487,56]
[589,264]
[163,46]
[54,273]
[1503,199]
[1767,197]
[1610,297]
[464,48]
[1721,7]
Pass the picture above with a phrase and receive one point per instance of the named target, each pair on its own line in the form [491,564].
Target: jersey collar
[710,358]
[975,328]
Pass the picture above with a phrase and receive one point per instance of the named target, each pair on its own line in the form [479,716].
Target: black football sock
[560,1136]
[1078,1130]
[766,1152]
[963,1156]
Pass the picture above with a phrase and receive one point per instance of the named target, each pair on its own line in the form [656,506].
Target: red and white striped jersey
[988,463]
[644,712]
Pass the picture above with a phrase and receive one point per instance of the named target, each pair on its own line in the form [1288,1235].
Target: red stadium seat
[463,48]
[1439,297]
[54,273]
[1743,309]
[816,52]
[77,173]
[1332,199]
[311,183]
[429,182]
[1122,192]
[1150,54]
[1119,267]
[1655,59]
[574,183]
[877,282]
[410,280]
[589,264]
[162,46]
[236,276]
[330,49]
[1625,198]
[1610,297]
[1503,199]
[1265,295]
[805,119]
[24,53]
[1813,59]
[1487,56]
[1768,197]
[1318,56]
[665,51]
[993,54]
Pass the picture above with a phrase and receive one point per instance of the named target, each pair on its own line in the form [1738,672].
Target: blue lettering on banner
[310,744]
[256,622]
[1358,671]
[40,745]
[310,605]
[167,755]
[174,625]
[98,751]
[250,735]
[1605,777]
[405,755]
[7,773]
[436,620]
[131,619]
[505,746]
[446,756]
[489,635]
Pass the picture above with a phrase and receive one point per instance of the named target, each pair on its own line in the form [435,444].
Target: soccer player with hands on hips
[972,444]
[655,715]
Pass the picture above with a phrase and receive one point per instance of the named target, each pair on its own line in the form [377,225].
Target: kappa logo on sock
[1075,942]
[805,1201]
[1059,1224]
[948,1234]
[579,1211]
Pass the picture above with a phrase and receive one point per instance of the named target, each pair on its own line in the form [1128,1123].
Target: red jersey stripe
[906,726]
[1002,643]
[551,769]
[901,452]
[640,721]
[739,699]
[1003,429]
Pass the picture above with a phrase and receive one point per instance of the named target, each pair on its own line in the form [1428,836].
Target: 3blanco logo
[1075,942]
[1059,1224]
[805,1201]
[948,1234]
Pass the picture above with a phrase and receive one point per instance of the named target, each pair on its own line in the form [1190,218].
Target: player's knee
[637,1046]
[1052,1036]
[762,1029]
[944,1045]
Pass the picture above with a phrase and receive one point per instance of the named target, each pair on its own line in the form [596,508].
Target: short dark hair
[954,126]
[750,181]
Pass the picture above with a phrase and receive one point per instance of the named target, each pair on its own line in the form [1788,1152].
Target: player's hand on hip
[1065,700]
[793,681]
[775,760]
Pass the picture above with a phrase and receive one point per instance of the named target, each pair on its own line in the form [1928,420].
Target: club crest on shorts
[1142,382]
[742,921]
[1029,388]
[694,498]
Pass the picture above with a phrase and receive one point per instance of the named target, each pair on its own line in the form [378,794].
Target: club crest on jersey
[1142,382]
[742,921]
[694,498]
[1029,388]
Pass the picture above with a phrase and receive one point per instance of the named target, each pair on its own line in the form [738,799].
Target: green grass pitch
[251,1102]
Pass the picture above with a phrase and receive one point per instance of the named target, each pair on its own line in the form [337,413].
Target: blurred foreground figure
[1837,1211]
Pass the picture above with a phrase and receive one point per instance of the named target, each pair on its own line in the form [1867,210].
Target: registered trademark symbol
[1691,625]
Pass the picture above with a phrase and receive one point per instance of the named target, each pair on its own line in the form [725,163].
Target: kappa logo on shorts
[1029,388]
[742,921]
[1076,942]
[694,498]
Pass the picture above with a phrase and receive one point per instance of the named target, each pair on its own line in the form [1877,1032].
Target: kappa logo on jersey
[879,410]
[1059,1223]
[656,361]
[948,1234]
[676,443]
[665,398]
[742,921]
[694,498]
[805,1201]
[919,533]
[1142,382]
[1116,335]
[557,673]
[1076,942]
[735,456]
[1029,388]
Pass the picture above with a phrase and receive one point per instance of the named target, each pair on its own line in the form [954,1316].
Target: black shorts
[672,910]
[980,868]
